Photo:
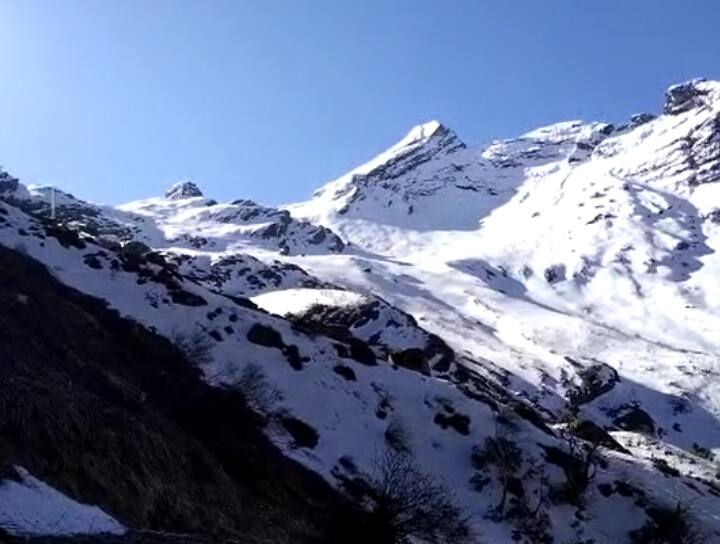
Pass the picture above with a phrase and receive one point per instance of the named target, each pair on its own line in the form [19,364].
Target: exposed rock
[8,184]
[134,249]
[303,434]
[590,431]
[683,97]
[530,415]
[183,189]
[378,325]
[635,419]
[704,152]
[638,119]
[345,371]
[555,273]
[412,359]
[595,380]
[714,216]
[458,422]
[186,298]
[266,336]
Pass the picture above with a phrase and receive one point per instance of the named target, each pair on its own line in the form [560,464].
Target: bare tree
[501,452]
[581,473]
[413,507]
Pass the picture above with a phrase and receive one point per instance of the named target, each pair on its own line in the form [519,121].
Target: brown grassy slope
[111,414]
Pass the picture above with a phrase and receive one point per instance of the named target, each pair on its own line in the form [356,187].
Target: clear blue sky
[268,99]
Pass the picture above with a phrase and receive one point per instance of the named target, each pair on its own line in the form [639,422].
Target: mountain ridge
[563,281]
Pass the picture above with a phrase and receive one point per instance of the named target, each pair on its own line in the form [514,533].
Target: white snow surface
[298,301]
[573,247]
[31,507]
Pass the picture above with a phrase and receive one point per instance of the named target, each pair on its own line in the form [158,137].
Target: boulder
[593,433]
[412,359]
[635,419]
[134,249]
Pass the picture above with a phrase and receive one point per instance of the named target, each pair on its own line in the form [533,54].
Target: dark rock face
[714,216]
[66,237]
[367,323]
[584,147]
[286,233]
[240,274]
[683,97]
[412,359]
[244,202]
[441,141]
[7,182]
[265,336]
[640,119]
[268,337]
[593,433]
[134,249]
[303,434]
[73,213]
[186,298]
[457,422]
[555,273]
[531,415]
[634,418]
[346,372]
[361,352]
[183,189]
[703,147]
[595,380]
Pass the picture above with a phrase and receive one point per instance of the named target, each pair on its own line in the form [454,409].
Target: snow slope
[570,270]
[30,507]
[609,254]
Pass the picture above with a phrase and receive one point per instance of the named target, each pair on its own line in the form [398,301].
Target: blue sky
[268,99]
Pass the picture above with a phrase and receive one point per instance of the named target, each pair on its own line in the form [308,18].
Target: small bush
[397,436]
[196,346]
[303,434]
[258,392]
[409,506]
[667,525]
[506,456]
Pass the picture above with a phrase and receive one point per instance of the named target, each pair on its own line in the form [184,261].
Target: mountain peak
[423,132]
[183,189]
[427,133]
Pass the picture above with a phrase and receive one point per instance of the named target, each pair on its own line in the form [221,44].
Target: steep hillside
[532,322]
[114,415]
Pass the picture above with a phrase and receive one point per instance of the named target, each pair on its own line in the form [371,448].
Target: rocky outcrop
[638,119]
[392,334]
[595,380]
[7,182]
[635,419]
[683,97]
[183,189]
[241,274]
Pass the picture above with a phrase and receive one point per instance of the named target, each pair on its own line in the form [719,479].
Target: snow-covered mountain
[555,293]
